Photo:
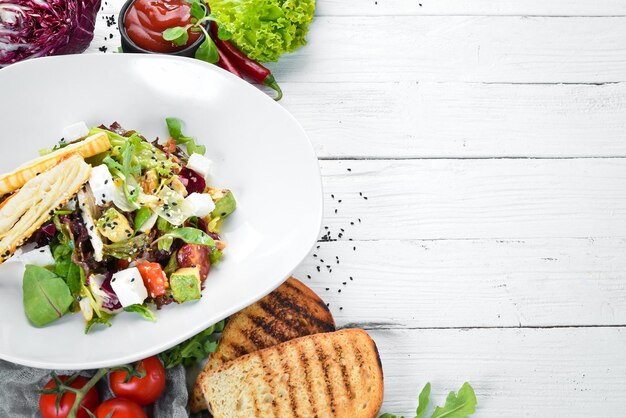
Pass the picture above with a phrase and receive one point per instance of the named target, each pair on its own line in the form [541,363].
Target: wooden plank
[408,120]
[432,48]
[452,7]
[471,7]
[490,198]
[573,373]
[471,283]
[447,48]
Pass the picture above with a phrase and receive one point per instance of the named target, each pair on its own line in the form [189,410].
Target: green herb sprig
[458,405]
[179,35]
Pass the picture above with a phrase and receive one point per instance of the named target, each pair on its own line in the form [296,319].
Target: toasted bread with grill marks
[291,311]
[331,375]
[88,147]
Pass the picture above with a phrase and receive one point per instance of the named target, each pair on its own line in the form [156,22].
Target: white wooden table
[474,164]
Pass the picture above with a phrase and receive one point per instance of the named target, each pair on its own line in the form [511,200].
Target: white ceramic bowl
[259,151]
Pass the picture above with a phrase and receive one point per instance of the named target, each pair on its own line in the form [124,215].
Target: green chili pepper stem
[270,81]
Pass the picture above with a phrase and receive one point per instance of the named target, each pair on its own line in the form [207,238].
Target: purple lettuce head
[37,28]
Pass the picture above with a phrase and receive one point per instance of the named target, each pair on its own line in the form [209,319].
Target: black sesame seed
[106,181]
[132,280]
[328,288]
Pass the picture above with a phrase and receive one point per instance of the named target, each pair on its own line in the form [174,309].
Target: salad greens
[190,236]
[458,405]
[265,29]
[195,349]
[130,237]
[175,129]
[46,296]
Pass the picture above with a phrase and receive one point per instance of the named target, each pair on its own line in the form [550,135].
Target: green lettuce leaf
[265,29]
[46,296]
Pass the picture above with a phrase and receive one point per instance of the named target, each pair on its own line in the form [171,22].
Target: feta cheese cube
[39,257]
[101,183]
[128,286]
[199,204]
[75,131]
[200,164]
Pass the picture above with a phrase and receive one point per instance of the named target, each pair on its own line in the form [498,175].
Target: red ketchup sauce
[146,20]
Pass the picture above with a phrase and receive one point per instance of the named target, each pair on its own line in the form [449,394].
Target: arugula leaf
[174,127]
[104,319]
[142,310]
[207,51]
[423,400]
[198,10]
[190,236]
[46,296]
[458,405]
[177,35]
[193,350]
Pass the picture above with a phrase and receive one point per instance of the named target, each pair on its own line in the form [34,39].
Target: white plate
[259,151]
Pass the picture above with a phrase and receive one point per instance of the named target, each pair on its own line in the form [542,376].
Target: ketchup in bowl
[146,20]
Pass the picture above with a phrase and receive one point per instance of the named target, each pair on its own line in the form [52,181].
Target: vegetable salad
[142,233]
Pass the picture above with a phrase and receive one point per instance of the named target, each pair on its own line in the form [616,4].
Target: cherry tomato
[47,403]
[143,390]
[120,408]
[191,255]
[153,278]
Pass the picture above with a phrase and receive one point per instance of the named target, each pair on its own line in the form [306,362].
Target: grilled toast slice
[331,375]
[31,206]
[89,147]
[291,311]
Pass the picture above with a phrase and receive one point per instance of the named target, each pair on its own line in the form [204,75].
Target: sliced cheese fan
[31,206]
[17,178]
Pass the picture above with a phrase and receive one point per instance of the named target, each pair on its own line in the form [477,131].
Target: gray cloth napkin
[19,397]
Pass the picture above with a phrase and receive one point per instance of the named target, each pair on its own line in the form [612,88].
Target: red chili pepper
[250,68]
[225,63]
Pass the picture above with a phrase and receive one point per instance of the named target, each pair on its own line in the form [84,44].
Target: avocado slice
[225,205]
[185,284]
[114,226]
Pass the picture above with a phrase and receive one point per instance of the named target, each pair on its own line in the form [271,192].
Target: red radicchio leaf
[196,183]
